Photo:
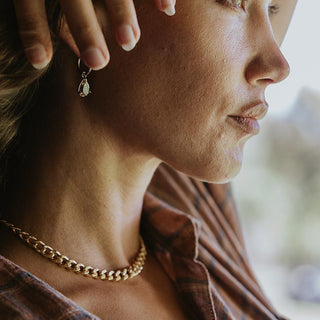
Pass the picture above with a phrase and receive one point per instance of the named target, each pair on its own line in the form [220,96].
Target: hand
[82,22]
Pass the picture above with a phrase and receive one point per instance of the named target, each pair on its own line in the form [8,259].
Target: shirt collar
[166,228]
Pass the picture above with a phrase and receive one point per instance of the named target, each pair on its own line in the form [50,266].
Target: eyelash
[236,4]
[274,9]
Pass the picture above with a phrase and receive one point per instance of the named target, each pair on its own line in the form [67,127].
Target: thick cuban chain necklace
[72,265]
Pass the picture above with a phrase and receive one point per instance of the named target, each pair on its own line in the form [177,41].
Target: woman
[77,169]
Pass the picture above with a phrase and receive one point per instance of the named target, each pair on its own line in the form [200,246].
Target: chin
[218,171]
[227,178]
[221,177]
[217,166]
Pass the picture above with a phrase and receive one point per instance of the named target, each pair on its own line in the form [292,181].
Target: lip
[247,118]
[248,125]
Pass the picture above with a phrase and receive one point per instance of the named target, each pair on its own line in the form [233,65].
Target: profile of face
[191,92]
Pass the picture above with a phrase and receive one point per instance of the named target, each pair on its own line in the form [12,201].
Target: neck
[81,190]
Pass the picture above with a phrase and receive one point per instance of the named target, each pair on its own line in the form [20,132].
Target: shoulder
[25,297]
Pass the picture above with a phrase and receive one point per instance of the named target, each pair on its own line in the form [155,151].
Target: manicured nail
[126,37]
[94,58]
[168,7]
[37,56]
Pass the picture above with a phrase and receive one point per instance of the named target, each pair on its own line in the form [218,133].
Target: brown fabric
[193,230]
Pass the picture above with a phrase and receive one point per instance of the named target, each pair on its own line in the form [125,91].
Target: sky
[301,47]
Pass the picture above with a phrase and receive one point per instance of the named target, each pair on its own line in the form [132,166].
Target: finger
[124,20]
[86,31]
[66,35]
[34,31]
[167,6]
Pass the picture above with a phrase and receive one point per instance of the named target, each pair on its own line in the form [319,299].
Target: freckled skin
[172,95]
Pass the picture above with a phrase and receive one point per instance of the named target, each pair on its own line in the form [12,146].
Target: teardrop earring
[84,87]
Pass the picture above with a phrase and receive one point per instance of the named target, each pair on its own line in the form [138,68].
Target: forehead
[281,20]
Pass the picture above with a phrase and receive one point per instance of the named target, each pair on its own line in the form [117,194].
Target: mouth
[248,125]
[247,119]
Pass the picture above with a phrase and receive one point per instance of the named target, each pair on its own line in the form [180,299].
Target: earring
[84,87]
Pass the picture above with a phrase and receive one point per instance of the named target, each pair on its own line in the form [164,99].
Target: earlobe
[67,38]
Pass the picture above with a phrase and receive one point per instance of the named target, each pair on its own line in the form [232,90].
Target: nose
[267,65]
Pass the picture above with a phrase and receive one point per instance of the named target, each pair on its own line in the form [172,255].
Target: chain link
[79,268]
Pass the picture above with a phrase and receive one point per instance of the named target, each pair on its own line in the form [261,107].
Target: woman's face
[192,90]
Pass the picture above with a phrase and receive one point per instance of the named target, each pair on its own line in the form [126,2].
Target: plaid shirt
[193,230]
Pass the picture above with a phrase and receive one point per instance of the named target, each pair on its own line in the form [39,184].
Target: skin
[90,160]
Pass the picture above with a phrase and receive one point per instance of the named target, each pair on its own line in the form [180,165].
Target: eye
[273,9]
[238,4]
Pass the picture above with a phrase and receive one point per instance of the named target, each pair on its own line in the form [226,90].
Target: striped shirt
[192,228]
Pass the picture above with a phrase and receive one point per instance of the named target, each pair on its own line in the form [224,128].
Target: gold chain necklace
[72,265]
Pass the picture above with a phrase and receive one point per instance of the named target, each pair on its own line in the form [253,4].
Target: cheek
[174,91]
[199,68]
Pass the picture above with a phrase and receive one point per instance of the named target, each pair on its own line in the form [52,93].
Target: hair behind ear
[18,81]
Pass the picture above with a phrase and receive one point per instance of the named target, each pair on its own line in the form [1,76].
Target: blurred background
[278,189]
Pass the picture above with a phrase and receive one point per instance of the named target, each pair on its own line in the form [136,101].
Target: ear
[280,22]
[67,37]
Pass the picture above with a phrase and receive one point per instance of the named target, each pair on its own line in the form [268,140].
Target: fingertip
[94,58]
[167,6]
[38,56]
[137,33]
[170,11]
[126,37]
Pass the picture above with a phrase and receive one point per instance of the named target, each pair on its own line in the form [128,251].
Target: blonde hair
[19,82]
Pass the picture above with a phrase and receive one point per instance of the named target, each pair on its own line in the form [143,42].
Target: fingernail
[94,58]
[168,7]
[126,37]
[37,56]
